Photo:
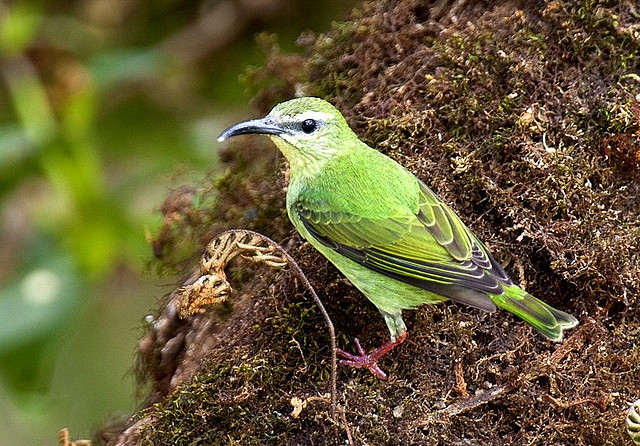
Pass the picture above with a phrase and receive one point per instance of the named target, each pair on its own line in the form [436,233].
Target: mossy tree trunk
[525,117]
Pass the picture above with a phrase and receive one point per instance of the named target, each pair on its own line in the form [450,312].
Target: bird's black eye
[309,125]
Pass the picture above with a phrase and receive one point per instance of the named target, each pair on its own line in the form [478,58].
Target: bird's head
[307,131]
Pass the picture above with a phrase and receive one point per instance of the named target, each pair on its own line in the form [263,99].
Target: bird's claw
[363,360]
[359,347]
[369,361]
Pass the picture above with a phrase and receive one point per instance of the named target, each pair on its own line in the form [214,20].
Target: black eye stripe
[309,125]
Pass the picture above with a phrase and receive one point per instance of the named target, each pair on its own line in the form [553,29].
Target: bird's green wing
[429,247]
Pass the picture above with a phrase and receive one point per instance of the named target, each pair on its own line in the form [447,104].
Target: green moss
[232,401]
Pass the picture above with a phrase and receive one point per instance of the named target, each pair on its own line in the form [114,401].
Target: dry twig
[212,286]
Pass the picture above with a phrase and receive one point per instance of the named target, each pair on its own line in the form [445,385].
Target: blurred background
[105,105]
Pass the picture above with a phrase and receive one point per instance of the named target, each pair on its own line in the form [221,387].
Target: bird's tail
[544,318]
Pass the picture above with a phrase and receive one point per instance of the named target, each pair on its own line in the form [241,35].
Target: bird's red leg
[370,361]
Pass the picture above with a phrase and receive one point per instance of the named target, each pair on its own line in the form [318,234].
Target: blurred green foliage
[100,100]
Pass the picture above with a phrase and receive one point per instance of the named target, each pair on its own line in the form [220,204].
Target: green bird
[383,228]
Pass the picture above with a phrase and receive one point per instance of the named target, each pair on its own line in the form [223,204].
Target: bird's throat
[301,163]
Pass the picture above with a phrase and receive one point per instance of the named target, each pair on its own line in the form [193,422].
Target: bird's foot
[369,361]
[363,360]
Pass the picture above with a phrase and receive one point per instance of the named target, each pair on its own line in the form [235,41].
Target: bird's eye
[309,125]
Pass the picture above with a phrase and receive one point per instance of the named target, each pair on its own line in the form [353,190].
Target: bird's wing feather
[431,249]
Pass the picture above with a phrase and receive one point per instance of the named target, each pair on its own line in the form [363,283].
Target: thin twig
[212,286]
[467,404]
[601,403]
[332,332]
[346,426]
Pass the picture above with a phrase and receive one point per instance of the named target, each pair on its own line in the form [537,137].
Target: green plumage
[382,227]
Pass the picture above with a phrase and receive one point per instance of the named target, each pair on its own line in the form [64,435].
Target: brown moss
[524,118]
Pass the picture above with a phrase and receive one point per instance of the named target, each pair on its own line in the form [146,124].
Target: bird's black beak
[262,126]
